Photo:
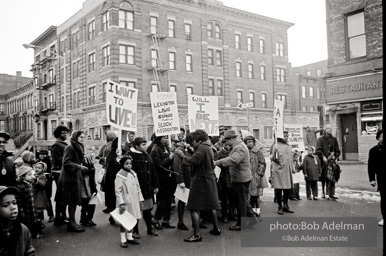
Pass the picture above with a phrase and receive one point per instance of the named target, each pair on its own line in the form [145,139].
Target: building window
[249,44]
[172,60]
[218,58]
[268,132]
[264,100]
[106,21]
[211,86]
[262,73]
[238,69]
[44,78]
[104,89]
[304,92]
[126,19]
[309,73]
[106,56]
[262,45]
[173,88]
[188,28]
[210,56]
[283,98]
[51,76]
[237,41]
[51,101]
[36,83]
[153,25]
[210,30]
[189,63]
[74,101]
[280,75]
[317,93]
[250,71]
[311,92]
[356,35]
[252,98]
[2,125]
[154,87]
[154,58]
[171,24]
[130,84]
[2,110]
[239,97]
[220,88]
[91,95]
[279,49]
[126,54]
[189,90]
[318,72]
[312,109]
[217,33]
[304,108]
[91,62]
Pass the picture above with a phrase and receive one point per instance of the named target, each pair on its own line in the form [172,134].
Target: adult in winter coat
[376,175]
[327,149]
[312,171]
[57,152]
[70,180]
[143,166]
[163,159]
[7,166]
[281,172]
[203,195]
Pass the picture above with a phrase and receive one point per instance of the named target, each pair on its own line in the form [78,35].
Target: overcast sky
[22,21]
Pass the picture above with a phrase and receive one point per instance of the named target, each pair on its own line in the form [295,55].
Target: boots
[287,209]
[280,210]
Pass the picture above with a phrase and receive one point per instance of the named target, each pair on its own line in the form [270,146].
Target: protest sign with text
[121,106]
[165,113]
[203,114]
[295,136]
[278,118]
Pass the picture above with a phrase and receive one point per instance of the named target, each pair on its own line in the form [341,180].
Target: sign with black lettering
[165,113]
[203,114]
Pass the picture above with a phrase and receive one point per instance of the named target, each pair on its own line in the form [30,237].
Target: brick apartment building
[191,47]
[353,91]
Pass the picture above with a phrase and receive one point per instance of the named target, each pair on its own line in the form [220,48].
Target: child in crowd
[15,238]
[129,197]
[88,190]
[45,158]
[25,201]
[312,171]
[28,159]
[294,192]
[39,192]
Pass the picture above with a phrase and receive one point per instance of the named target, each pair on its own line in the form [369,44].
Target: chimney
[18,73]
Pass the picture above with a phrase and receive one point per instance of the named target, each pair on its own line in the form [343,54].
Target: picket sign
[203,114]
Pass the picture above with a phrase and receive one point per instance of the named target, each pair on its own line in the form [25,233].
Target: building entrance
[349,137]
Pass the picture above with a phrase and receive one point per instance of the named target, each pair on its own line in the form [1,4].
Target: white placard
[165,113]
[297,177]
[295,136]
[203,114]
[125,219]
[217,172]
[278,118]
[182,194]
[121,106]
[96,199]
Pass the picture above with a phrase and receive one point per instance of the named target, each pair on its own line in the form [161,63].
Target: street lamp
[31,46]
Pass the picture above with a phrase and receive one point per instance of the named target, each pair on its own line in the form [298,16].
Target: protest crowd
[224,176]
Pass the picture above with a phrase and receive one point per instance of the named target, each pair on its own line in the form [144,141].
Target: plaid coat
[26,204]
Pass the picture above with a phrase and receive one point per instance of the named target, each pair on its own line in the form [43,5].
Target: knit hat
[43,164]
[23,170]
[27,157]
[327,126]
[7,191]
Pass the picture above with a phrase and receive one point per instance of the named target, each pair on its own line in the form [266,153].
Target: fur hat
[23,170]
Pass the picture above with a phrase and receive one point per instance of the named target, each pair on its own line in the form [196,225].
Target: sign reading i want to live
[121,106]
[203,114]
[165,113]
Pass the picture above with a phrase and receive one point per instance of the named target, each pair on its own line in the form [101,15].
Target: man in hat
[327,149]
[7,166]
[239,165]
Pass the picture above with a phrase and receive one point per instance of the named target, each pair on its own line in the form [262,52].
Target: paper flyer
[96,199]
[126,219]
[217,171]
[182,194]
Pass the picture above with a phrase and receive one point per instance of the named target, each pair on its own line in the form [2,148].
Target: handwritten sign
[203,114]
[165,113]
[278,118]
[121,106]
[295,136]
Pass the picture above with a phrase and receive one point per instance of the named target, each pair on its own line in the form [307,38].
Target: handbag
[101,175]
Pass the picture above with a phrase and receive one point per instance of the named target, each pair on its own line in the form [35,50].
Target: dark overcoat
[312,167]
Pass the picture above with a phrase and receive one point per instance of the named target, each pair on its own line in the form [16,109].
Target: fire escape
[156,63]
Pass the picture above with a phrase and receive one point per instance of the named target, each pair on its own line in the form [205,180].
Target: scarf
[75,144]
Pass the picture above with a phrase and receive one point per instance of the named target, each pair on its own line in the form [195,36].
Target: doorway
[349,137]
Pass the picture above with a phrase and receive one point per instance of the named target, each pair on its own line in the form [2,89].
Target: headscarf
[74,142]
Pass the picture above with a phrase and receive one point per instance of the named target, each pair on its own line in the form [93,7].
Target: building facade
[353,90]
[191,47]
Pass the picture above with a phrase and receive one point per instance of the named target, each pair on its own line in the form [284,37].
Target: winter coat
[375,163]
[26,205]
[203,188]
[57,152]
[238,162]
[282,168]
[225,178]
[312,168]
[7,170]
[167,180]
[112,168]
[18,243]
[128,192]
[184,171]
[143,166]
[48,186]
[88,187]
[39,192]
[325,145]
[71,177]
[258,167]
